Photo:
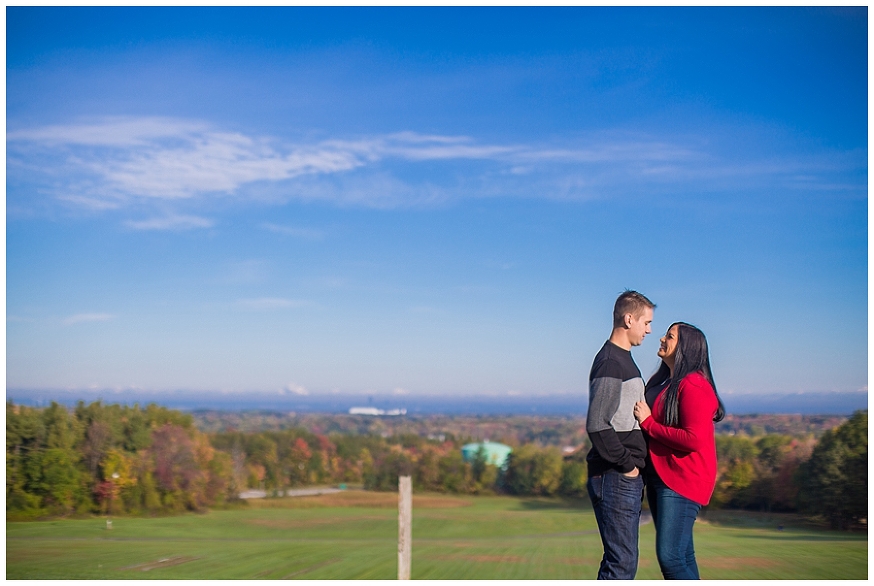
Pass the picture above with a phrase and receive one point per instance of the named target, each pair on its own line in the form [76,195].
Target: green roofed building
[496,454]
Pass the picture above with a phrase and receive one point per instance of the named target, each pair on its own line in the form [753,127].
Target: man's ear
[628,319]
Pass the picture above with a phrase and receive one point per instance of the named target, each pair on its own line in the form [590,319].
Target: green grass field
[353,535]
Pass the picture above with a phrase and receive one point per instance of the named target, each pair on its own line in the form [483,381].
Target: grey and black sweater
[615,385]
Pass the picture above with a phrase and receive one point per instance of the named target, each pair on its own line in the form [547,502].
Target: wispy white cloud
[379,189]
[116,162]
[614,150]
[87,317]
[410,146]
[268,303]
[91,203]
[216,163]
[119,132]
[177,159]
[171,222]
[417,138]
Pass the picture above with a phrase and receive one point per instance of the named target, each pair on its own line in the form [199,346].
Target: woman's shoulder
[697,393]
[695,380]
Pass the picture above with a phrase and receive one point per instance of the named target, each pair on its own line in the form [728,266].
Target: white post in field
[405,527]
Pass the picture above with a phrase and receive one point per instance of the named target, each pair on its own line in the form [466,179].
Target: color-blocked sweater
[615,385]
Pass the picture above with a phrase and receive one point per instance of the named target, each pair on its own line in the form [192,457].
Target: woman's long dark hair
[691,356]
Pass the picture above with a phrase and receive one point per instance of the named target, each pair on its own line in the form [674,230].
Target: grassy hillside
[353,535]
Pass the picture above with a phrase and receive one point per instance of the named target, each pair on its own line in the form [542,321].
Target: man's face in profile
[640,326]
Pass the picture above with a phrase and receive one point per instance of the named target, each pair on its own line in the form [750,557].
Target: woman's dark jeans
[673,516]
[616,499]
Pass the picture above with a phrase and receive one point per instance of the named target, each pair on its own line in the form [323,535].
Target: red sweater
[685,456]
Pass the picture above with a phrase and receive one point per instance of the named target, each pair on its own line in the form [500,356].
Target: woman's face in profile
[668,343]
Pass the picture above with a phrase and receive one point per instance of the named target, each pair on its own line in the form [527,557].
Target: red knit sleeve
[697,404]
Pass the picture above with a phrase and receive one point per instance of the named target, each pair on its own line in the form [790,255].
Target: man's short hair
[629,302]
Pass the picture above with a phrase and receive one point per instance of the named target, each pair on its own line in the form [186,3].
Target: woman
[677,418]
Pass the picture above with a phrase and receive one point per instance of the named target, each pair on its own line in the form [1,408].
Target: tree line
[100,458]
[109,459]
[515,430]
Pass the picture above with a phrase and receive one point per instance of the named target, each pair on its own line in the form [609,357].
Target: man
[618,451]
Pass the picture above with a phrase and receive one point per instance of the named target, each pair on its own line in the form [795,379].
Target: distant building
[496,454]
[375,411]
[365,411]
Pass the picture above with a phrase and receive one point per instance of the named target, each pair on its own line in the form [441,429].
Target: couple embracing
[659,435]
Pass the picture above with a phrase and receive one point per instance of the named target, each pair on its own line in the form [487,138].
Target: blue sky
[423,201]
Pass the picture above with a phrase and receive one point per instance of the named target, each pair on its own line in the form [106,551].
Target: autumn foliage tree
[534,470]
[86,460]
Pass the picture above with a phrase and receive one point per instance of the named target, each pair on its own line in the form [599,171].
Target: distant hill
[512,429]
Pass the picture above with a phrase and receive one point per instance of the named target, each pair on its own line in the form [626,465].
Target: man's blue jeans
[673,516]
[617,499]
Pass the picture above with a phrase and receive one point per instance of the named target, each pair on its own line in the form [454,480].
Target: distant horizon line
[486,404]
[399,395]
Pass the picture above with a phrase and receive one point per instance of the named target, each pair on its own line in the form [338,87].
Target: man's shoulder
[610,351]
[613,361]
